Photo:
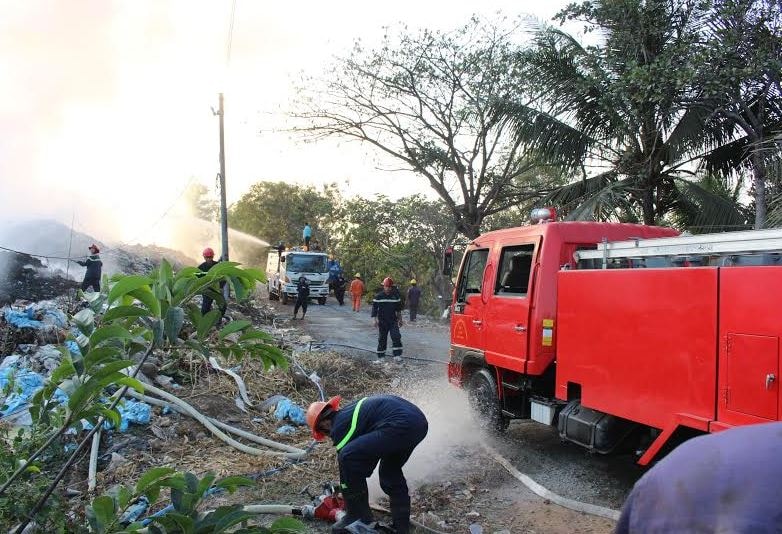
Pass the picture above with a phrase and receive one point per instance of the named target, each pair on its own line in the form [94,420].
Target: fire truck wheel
[484,400]
[321,300]
[284,297]
[273,296]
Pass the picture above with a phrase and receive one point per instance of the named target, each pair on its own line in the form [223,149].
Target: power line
[229,42]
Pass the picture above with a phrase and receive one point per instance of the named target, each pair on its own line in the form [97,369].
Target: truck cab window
[472,274]
[514,272]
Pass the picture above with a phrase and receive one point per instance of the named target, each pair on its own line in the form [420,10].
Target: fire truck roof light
[541,215]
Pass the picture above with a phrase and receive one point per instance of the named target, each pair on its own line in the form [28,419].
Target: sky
[106,108]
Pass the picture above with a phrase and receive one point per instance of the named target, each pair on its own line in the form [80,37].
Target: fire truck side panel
[750,329]
[641,343]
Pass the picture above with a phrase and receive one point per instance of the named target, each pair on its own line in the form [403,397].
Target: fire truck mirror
[448,261]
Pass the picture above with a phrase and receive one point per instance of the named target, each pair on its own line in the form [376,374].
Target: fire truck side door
[508,309]
[467,327]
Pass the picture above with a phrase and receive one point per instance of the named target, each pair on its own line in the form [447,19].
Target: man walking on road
[380,428]
[357,291]
[387,312]
[339,289]
[413,298]
[302,296]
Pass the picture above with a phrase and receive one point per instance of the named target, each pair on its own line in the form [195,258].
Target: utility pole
[223,205]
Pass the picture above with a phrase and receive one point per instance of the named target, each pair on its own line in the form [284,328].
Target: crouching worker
[380,428]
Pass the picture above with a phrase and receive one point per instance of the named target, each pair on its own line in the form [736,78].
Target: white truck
[284,269]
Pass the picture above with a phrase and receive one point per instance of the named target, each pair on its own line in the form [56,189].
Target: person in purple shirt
[728,482]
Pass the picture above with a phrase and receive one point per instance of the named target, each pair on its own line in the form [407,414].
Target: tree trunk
[759,185]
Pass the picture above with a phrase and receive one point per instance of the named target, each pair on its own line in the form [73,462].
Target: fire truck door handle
[520,328]
[770,378]
[477,322]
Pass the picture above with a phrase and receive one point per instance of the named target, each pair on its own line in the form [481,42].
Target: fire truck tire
[284,297]
[273,295]
[484,400]
[321,300]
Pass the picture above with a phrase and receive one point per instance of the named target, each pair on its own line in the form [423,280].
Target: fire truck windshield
[306,263]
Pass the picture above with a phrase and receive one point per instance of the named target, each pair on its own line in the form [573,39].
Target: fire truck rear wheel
[484,400]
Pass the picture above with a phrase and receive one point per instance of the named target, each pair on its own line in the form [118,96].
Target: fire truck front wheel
[484,400]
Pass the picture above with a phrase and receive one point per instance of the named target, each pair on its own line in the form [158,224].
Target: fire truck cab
[600,330]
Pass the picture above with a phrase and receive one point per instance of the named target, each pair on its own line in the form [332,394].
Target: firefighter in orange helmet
[381,429]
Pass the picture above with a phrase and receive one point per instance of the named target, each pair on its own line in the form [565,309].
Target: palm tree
[616,114]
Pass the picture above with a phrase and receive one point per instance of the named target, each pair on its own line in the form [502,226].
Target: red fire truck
[619,333]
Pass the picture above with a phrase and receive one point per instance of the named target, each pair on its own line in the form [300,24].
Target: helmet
[357,275]
[209,253]
[413,282]
[316,410]
[95,248]
[388,281]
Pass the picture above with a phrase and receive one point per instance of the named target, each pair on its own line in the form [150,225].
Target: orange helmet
[388,281]
[209,253]
[316,410]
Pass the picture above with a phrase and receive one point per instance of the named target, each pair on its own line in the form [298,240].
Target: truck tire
[273,295]
[284,297]
[484,400]
[321,300]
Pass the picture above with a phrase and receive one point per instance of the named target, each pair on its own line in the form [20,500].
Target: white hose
[537,489]
[270,508]
[293,451]
[195,414]
[92,471]
[238,379]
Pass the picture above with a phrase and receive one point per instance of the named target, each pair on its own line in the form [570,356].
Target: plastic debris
[38,315]
[286,430]
[287,409]
[134,412]
[136,510]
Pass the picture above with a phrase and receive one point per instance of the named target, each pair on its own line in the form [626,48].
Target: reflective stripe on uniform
[353,425]
[386,300]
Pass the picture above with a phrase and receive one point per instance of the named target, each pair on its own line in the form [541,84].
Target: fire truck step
[512,387]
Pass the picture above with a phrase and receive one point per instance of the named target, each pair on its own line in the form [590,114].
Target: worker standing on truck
[723,482]
[302,296]
[380,428]
[387,312]
[357,291]
[94,267]
[306,234]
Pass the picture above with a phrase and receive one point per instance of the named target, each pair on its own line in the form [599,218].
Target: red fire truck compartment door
[750,329]
[641,343]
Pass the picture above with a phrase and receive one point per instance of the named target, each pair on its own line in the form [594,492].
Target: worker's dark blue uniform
[385,429]
[723,482]
[387,308]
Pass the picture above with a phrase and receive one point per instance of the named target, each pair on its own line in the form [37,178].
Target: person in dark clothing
[387,312]
[413,298]
[723,482]
[302,296]
[380,428]
[94,267]
[339,289]
[306,234]
[209,262]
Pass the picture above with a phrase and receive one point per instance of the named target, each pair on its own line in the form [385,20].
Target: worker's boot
[400,516]
[356,509]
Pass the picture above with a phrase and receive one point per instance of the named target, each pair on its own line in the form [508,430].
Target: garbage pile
[24,277]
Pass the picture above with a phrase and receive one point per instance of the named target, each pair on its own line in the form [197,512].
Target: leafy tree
[403,239]
[276,211]
[616,113]
[423,99]
[201,202]
[739,69]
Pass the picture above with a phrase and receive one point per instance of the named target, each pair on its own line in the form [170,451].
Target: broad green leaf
[104,512]
[146,297]
[204,484]
[114,331]
[187,272]
[124,311]
[231,483]
[128,284]
[98,356]
[111,416]
[63,371]
[288,525]
[255,334]
[123,497]
[152,476]
[206,324]
[233,326]
[175,318]
[132,383]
